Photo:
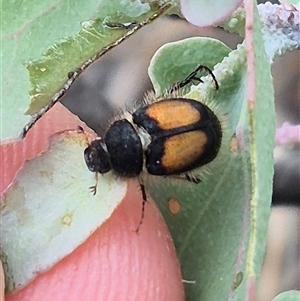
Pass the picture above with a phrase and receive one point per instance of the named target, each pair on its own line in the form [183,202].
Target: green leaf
[235,23]
[206,231]
[175,60]
[51,212]
[288,296]
[94,37]
[71,32]
[279,27]
[219,226]
[25,38]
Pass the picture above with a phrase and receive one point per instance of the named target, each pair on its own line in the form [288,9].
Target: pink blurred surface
[14,153]
[115,263]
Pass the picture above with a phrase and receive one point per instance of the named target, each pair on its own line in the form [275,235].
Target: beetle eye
[96,157]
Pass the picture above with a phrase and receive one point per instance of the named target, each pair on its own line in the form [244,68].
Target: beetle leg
[186,177]
[93,189]
[144,197]
[193,76]
[192,179]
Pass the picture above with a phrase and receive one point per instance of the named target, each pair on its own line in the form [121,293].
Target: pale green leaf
[52,39]
[288,296]
[220,228]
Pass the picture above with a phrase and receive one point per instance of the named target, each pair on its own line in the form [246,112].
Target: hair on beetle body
[169,135]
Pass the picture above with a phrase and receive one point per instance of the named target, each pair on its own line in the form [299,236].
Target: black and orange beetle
[169,136]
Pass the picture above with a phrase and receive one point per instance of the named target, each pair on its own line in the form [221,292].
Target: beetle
[170,136]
